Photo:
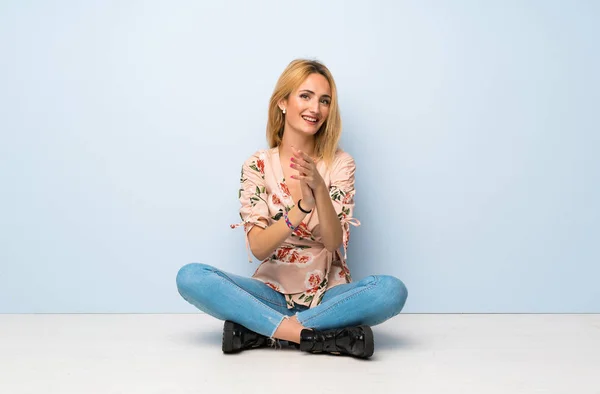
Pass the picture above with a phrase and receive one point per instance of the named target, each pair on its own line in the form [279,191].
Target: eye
[304,96]
[326,101]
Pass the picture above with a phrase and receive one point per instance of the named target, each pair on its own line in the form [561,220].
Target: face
[307,107]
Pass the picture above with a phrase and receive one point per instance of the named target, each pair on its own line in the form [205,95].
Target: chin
[308,130]
[312,130]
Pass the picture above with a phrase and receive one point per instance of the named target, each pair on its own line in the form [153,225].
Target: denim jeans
[255,305]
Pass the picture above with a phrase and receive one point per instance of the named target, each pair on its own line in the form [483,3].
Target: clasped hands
[308,175]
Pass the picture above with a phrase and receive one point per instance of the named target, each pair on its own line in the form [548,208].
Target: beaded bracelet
[287,221]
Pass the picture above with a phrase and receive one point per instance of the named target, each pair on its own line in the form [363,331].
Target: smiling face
[307,107]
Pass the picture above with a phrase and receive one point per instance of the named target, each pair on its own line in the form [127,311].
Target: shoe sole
[228,329]
[369,342]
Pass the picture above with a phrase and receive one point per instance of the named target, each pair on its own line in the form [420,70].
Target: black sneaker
[352,341]
[237,338]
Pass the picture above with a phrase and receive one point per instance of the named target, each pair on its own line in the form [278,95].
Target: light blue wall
[474,126]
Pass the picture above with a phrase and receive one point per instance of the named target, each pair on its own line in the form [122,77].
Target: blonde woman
[297,201]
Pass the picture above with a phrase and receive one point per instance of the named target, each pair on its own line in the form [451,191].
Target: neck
[301,142]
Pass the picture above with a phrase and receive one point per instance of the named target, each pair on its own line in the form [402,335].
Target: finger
[301,166]
[301,155]
[306,157]
[308,180]
[302,178]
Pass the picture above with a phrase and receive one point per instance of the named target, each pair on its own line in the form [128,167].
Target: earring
[283,111]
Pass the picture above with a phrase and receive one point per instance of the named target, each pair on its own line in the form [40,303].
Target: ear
[282,104]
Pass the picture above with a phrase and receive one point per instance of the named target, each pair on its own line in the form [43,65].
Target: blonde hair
[327,138]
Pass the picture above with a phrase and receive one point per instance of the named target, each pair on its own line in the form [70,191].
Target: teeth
[310,119]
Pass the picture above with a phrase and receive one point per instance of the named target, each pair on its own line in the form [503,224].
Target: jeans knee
[190,275]
[396,292]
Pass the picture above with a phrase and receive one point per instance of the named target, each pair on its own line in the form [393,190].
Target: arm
[331,228]
[329,217]
[264,241]
[262,238]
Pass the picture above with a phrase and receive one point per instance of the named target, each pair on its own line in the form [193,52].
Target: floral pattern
[300,268]
[302,232]
[343,198]
[315,281]
[291,255]
[284,188]
[274,286]
[259,166]
[344,272]
[278,215]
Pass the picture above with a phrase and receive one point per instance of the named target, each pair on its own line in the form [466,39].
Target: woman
[297,200]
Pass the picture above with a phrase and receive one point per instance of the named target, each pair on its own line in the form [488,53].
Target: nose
[315,108]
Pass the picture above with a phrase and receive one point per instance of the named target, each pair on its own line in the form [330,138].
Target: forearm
[264,241]
[331,228]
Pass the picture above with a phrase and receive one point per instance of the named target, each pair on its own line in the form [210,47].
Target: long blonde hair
[327,138]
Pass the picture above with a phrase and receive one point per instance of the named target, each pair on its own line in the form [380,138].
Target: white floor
[414,353]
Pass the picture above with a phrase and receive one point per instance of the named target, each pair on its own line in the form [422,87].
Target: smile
[310,119]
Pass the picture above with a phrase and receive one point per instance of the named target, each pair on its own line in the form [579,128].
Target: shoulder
[259,163]
[343,167]
[342,160]
[257,158]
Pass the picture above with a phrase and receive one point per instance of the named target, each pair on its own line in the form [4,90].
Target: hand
[308,175]
[307,169]
[308,198]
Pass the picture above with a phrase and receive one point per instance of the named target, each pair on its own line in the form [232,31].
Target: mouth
[310,119]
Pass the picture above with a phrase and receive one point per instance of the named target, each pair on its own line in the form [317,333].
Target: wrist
[305,206]
[320,187]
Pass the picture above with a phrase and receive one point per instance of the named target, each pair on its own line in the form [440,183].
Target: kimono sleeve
[341,189]
[342,194]
[253,193]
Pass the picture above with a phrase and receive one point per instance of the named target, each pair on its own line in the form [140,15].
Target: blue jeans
[255,305]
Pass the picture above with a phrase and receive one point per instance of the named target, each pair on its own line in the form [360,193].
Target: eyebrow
[311,92]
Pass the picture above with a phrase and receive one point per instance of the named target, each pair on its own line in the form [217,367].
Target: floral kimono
[301,268]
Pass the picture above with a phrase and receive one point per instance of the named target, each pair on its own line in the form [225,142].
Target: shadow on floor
[383,339]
